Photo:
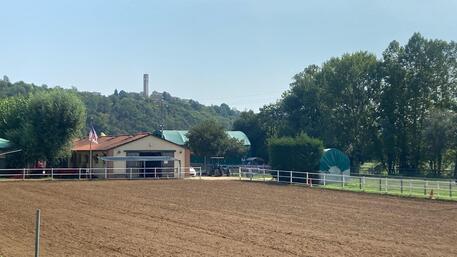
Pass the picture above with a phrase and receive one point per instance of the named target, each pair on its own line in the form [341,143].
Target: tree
[43,125]
[437,138]
[56,118]
[336,103]
[209,139]
[250,124]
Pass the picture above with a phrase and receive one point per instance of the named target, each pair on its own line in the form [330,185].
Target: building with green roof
[179,136]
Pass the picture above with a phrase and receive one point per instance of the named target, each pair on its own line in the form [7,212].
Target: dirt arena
[218,218]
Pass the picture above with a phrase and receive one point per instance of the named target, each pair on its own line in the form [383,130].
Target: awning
[138,158]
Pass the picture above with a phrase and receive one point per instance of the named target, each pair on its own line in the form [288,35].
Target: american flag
[93,136]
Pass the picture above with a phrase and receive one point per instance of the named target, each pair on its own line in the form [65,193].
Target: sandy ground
[218,218]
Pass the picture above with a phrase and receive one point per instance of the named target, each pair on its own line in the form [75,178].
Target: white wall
[149,143]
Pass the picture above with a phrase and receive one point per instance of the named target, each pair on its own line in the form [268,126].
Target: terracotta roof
[106,142]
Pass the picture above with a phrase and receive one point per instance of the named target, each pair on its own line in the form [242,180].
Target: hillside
[124,112]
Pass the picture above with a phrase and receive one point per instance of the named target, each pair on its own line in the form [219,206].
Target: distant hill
[124,112]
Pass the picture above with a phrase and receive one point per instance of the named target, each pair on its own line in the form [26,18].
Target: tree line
[398,110]
[127,112]
[43,121]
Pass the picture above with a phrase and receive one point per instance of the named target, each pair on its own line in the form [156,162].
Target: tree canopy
[43,125]
[209,138]
[390,110]
[128,113]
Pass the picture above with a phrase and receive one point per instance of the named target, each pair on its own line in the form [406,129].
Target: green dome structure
[334,162]
[4,143]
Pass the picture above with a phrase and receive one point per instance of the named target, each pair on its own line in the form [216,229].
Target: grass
[412,188]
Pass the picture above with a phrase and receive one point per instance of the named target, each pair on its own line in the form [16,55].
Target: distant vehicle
[192,172]
[254,161]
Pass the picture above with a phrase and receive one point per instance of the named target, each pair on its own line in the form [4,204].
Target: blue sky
[243,53]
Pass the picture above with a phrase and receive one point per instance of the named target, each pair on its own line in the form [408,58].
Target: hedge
[300,153]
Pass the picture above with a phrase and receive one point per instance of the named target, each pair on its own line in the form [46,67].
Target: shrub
[300,153]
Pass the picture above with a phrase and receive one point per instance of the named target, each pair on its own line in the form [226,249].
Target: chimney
[146,85]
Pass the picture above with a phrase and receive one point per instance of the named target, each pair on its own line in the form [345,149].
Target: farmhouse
[138,145]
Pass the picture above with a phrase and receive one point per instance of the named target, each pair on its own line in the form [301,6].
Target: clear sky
[241,52]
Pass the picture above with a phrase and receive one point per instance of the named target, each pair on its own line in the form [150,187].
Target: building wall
[150,143]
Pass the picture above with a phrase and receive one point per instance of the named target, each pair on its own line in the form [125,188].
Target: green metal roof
[179,136]
[4,143]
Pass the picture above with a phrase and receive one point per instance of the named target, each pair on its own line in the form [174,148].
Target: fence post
[387,191]
[342,181]
[360,183]
[410,187]
[23,174]
[401,185]
[263,175]
[324,179]
[425,187]
[37,232]
[307,178]
[130,175]
[364,183]
[291,181]
[450,189]
[380,184]
[277,176]
[106,173]
[438,188]
[79,174]
[155,172]
[52,173]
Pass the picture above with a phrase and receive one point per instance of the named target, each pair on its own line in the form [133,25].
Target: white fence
[98,173]
[442,189]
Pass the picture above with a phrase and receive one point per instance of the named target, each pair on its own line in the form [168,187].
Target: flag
[93,136]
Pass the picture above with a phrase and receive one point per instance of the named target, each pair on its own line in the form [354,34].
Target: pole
[450,189]
[90,157]
[37,232]
[425,187]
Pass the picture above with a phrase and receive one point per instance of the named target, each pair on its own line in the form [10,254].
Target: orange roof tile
[106,142]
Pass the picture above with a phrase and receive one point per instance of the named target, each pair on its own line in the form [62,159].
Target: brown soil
[218,218]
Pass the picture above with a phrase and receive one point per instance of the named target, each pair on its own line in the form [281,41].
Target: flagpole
[90,158]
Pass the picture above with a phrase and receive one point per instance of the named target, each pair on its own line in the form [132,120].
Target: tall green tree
[250,124]
[209,139]
[43,125]
[437,136]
